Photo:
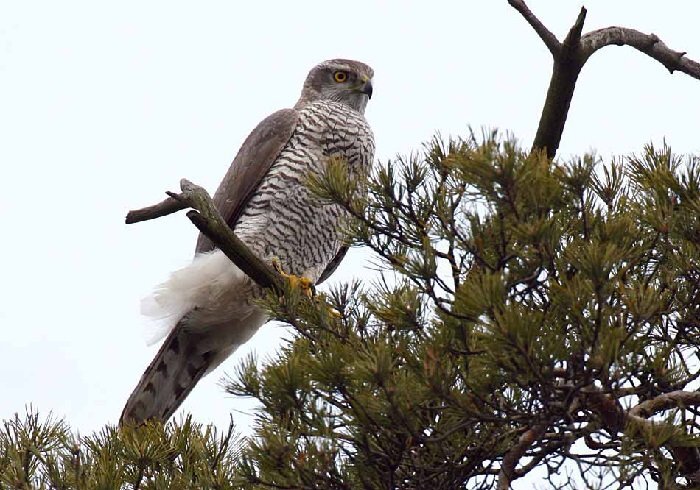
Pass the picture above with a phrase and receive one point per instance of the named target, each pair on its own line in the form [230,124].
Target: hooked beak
[366,87]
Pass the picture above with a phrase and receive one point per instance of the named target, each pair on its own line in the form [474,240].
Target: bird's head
[346,81]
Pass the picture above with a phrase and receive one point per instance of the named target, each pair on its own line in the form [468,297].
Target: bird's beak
[366,87]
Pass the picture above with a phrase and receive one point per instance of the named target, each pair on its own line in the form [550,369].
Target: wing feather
[333,264]
[257,154]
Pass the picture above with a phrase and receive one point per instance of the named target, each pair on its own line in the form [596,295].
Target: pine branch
[208,220]
[608,409]
[688,457]
[613,418]
[507,473]
[571,55]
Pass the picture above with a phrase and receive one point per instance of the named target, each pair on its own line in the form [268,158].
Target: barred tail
[212,300]
[180,363]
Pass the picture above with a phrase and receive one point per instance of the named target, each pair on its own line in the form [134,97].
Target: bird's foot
[304,283]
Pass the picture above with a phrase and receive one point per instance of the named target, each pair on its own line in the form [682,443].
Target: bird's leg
[304,283]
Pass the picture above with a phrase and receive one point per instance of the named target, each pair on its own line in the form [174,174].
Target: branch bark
[549,39]
[507,473]
[687,456]
[208,220]
[571,55]
[163,208]
[614,418]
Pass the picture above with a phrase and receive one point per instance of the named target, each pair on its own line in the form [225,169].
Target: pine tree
[531,311]
[534,317]
[46,454]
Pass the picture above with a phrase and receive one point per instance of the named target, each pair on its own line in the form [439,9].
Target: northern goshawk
[265,199]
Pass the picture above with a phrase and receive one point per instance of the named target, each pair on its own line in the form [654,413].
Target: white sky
[103,107]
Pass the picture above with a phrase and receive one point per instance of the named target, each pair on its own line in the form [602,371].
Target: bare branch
[507,473]
[167,206]
[208,220]
[567,66]
[569,58]
[573,38]
[649,44]
[549,39]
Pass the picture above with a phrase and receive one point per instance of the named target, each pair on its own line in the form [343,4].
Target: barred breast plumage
[283,219]
[208,306]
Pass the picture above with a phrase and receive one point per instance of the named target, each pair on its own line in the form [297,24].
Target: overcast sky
[103,107]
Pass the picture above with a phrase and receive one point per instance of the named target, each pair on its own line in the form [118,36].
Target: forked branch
[571,55]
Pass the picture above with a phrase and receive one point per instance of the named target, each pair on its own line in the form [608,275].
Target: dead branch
[571,55]
[208,220]
[167,206]
[649,44]
[549,39]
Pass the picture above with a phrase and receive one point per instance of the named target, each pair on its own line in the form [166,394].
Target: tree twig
[167,206]
[570,57]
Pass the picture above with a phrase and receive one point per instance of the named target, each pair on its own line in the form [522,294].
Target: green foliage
[44,454]
[531,314]
[519,294]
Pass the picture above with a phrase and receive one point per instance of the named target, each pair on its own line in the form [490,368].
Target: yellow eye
[340,76]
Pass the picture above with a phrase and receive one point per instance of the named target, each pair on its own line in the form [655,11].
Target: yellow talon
[303,283]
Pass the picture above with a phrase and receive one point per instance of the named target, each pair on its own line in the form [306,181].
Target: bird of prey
[264,199]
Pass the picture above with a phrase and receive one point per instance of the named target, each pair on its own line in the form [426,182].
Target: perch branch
[569,58]
[561,91]
[208,220]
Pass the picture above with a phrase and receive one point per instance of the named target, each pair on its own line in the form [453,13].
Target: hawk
[264,199]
